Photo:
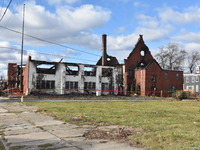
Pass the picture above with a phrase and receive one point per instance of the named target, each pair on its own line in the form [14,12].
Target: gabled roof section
[152,61]
[139,42]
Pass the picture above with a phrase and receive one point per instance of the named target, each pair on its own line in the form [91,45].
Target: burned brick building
[65,78]
[144,74]
[13,75]
[139,74]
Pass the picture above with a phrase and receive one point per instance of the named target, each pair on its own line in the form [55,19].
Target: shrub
[179,95]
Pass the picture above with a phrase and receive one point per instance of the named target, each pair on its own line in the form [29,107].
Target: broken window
[166,75]
[130,73]
[141,65]
[107,72]
[89,85]
[89,71]
[105,86]
[172,88]
[72,70]
[45,84]
[71,85]
[177,76]
[153,78]
[46,68]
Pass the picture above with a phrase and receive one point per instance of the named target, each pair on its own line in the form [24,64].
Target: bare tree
[161,57]
[171,57]
[193,58]
[1,82]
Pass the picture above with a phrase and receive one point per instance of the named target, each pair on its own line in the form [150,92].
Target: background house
[192,81]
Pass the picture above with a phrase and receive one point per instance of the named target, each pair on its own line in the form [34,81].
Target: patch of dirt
[111,133]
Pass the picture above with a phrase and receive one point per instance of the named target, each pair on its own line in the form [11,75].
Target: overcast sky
[76,26]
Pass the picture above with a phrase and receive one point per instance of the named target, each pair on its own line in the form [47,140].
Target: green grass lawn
[162,124]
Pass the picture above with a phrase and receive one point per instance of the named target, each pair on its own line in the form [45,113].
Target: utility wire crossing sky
[72,28]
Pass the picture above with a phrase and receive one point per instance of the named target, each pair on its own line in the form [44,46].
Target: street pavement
[22,128]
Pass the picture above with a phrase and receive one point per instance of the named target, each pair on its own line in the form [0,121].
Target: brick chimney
[104,53]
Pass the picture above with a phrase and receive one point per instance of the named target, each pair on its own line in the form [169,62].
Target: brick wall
[12,75]
[151,78]
[134,59]
[26,77]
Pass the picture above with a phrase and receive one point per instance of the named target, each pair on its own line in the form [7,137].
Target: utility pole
[22,49]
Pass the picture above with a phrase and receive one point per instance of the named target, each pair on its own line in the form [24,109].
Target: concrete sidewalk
[21,128]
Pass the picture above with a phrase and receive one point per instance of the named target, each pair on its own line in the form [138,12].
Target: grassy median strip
[161,124]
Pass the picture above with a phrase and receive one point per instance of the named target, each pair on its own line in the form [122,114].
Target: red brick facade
[13,78]
[143,73]
[26,77]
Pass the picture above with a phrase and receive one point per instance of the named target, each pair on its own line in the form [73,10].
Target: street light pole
[22,49]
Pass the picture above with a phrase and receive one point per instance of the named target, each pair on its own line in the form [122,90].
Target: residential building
[192,81]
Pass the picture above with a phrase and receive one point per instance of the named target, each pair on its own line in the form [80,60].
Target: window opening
[72,70]
[153,78]
[71,85]
[193,79]
[172,88]
[166,75]
[46,68]
[105,86]
[142,53]
[197,79]
[107,72]
[177,76]
[90,71]
[45,84]
[89,85]
[187,79]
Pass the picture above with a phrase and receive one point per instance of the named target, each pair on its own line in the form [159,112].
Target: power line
[2,5]
[54,43]
[54,55]
[5,11]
